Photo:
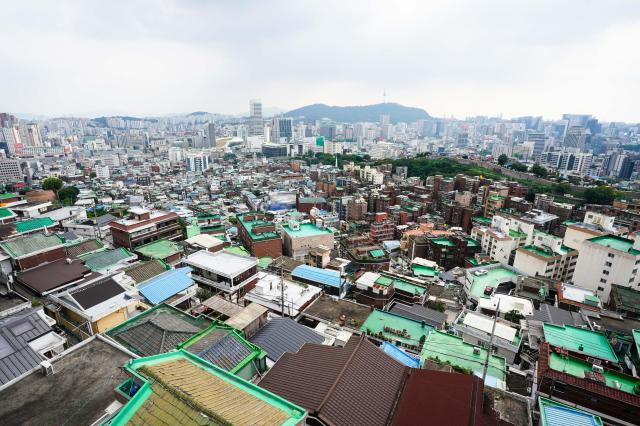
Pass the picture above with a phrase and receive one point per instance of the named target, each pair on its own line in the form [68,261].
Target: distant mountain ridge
[367,113]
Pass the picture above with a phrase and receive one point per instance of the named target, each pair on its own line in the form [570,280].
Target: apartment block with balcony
[547,257]
[607,260]
[230,273]
[145,226]
[503,237]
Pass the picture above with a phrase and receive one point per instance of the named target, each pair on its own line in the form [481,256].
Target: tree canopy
[52,183]
[68,195]
[539,171]
[600,195]
[503,159]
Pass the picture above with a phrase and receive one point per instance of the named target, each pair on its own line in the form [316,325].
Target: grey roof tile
[282,335]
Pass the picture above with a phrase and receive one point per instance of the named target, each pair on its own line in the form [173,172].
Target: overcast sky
[456,58]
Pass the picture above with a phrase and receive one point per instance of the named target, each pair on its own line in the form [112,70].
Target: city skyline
[462,59]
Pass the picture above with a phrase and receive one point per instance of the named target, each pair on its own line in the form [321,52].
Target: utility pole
[493,330]
[281,290]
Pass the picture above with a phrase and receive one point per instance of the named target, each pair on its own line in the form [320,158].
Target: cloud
[456,58]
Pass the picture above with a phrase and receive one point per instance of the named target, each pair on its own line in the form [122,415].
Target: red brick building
[145,226]
[258,235]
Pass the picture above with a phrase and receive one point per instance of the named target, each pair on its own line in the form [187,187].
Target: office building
[282,129]
[144,226]
[211,135]
[10,171]
[197,162]
[256,122]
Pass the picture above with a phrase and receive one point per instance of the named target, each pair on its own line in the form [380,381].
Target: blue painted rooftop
[166,285]
[556,414]
[399,355]
[322,276]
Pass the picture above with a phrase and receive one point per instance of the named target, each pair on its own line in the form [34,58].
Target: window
[603,281]
[605,272]
[611,255]
[607,264]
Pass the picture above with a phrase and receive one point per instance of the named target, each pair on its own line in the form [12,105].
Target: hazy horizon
[463,58]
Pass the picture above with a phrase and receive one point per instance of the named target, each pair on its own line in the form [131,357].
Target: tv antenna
[384,95]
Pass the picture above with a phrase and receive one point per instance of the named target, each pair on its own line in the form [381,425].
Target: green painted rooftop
[493,277]
[306,230]
[5,213]
[250,224]
[444,347]
[578,339]
[238,250]
[104,259]
[378,320]
[482,219]
[540,251]
[376,253]
[401,285]
[34,224]
[616,243]
[8,195]
[578,368]
[160,249]
[310,200]
[472,243]
[23,246]
[517,234]
[210,395]
[421,270]
[443,242]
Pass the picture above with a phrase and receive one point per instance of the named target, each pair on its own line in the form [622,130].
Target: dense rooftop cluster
[185,279]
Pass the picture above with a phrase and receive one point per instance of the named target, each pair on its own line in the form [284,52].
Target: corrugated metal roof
[166,285]
[143,271]
[16,356]
[399,355]
[20,247]
[104,259]
[33,224]
[555,414]
[282,335]
[318,275]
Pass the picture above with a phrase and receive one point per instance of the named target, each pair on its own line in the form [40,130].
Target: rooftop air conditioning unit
[476,350]
[46,368]
[597,369]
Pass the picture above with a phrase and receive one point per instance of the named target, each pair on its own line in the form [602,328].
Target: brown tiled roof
[84,247]
[52,275]
[355,385]
[452,398]
[144,271]
[180,386]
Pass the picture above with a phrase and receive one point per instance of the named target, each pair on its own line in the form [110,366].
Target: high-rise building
[539,140]
[32,133]
[10,171]
[12,140]
[256,122]
[211,135]
[197,162]
[384,120]
[576,138]
[282,129]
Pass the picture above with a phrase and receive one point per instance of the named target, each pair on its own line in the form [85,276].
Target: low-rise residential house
[329,280]
[269,293]
[282,335]
[211,395]
[225,347]
[300,238]
[143,227]
[383,326]
[157,330]
[92,307]
[502,237]
[378,289]
[444,348]
[258,235]
[165,250]
[417,312]
[234,274]
[108,261]
[173,287]
[476,329]
[32,250]
[483,281]
[26,340]
[86,373]
[594,387]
